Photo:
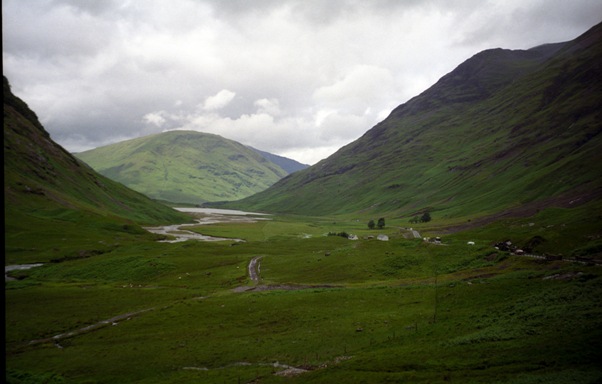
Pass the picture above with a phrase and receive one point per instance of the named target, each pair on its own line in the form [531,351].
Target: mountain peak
[479,77]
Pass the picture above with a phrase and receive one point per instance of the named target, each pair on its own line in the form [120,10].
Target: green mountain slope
[50,196]
[504,130]
[185,167]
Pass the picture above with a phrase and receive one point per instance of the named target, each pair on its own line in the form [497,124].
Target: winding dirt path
[89,328]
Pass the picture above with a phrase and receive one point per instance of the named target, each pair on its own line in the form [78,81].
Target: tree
[371,224]
[426,217]
[381,223]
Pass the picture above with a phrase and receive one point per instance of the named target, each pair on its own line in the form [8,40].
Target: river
[205,216]
[215,211]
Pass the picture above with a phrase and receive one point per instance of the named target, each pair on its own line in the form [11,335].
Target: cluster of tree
[425,218]
[380,224]
[342,234]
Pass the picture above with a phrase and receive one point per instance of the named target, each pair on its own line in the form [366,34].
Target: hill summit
[186,167]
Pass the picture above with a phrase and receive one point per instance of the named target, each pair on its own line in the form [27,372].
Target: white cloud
[269,106]
[218,101]
[155,118]
[336,127]
[361,83]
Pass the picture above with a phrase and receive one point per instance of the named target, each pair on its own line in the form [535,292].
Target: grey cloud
[524,27]
[308,76]
[314,11]
[44,32]
[92,7]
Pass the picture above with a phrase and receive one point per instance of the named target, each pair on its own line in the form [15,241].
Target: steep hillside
[185,167]
[504,130]
[49,195]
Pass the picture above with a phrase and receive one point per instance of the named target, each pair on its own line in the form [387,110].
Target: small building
[382,237]
[353,237]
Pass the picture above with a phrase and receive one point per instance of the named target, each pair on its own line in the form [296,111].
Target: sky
[297,78]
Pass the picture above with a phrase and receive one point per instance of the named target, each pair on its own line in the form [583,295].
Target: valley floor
[286,307]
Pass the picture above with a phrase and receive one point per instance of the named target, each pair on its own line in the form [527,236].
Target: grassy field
[337,310]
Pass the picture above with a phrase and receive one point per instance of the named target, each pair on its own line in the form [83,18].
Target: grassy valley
[334,309]
[503,150]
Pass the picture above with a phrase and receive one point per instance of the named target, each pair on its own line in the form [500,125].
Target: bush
[342,234]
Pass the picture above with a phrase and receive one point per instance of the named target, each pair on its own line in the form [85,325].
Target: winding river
[205,216]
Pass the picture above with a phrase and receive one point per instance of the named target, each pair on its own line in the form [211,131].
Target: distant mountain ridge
[188,167]
[289,165]
[505,129]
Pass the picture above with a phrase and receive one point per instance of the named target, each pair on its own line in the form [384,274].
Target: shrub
[342,234]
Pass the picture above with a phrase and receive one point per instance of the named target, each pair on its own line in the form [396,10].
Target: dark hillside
[506,129]
[48,191]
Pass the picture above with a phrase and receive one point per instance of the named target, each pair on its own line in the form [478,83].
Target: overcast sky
[298,78]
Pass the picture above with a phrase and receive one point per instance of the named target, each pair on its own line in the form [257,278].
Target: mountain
[50,195]
[506,131]
[289,165]
[185,167]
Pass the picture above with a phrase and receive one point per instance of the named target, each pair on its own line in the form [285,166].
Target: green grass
[360,311]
